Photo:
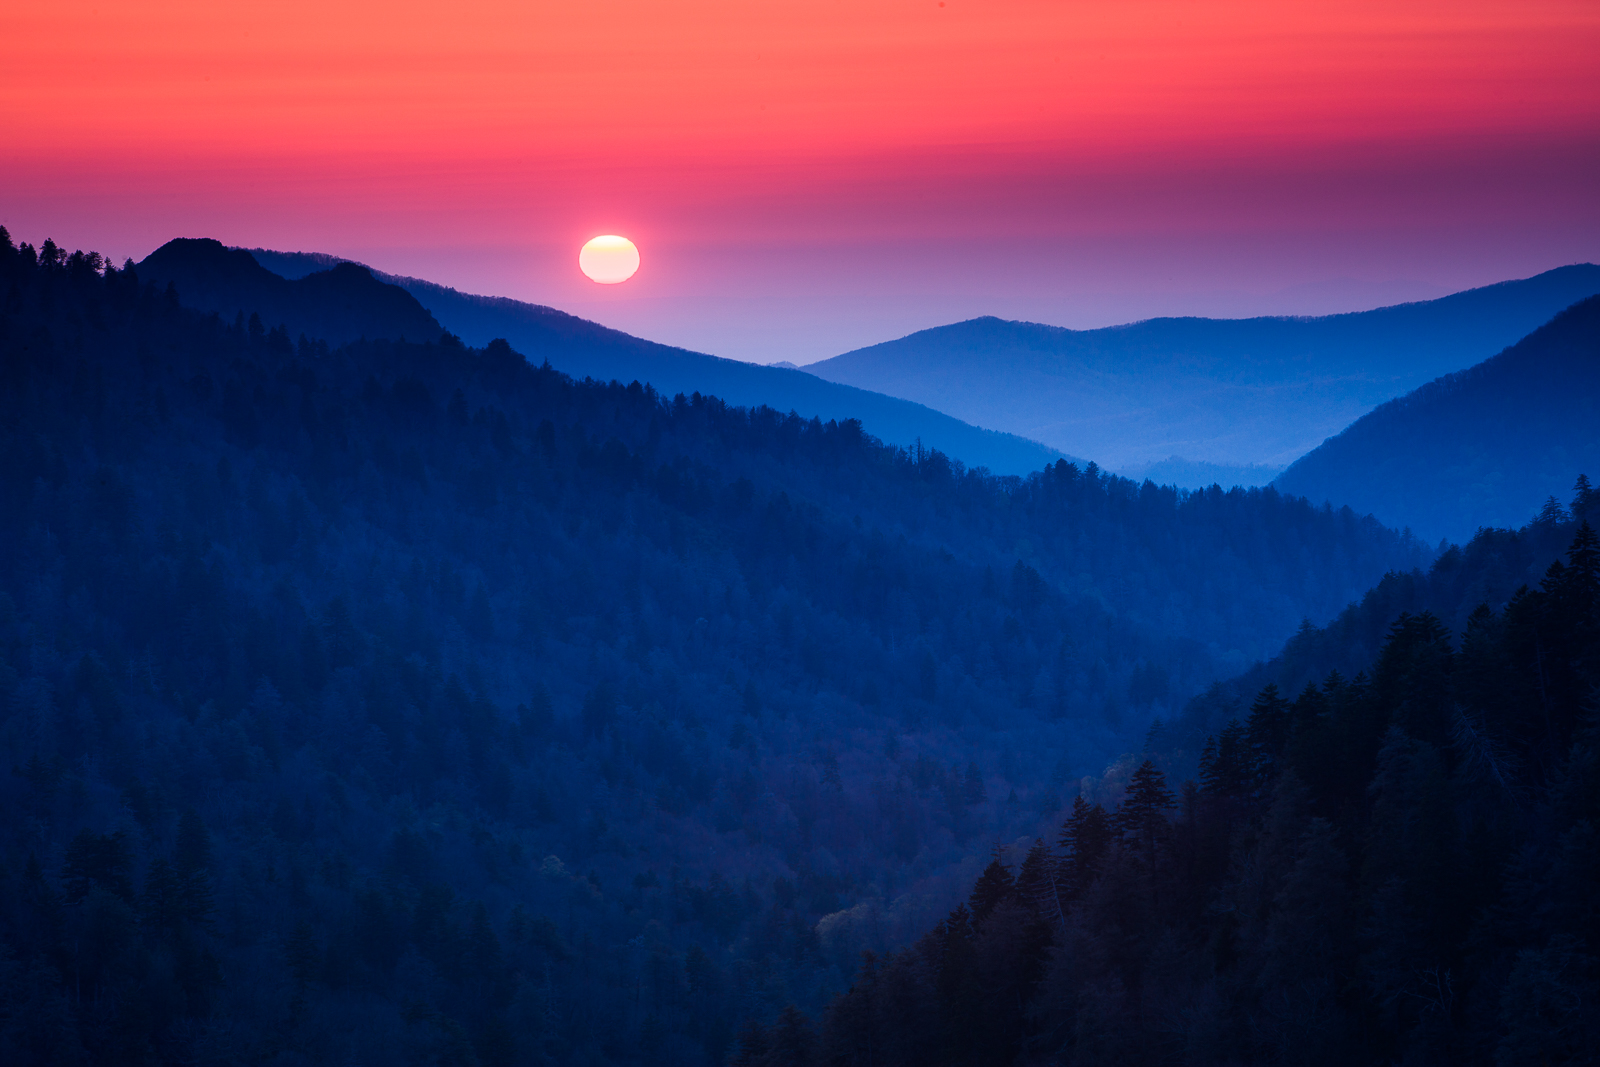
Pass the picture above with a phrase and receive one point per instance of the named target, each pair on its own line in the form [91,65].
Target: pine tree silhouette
[993,886]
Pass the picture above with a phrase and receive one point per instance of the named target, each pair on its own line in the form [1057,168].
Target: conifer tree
[1268,729]
[1208,759]
[1308,709]
[1037,884]
[1142,817]
[1583,568]
[751,1047]
[790,1042]
[958,984]
[993,886]
[1086,838]
[1584,499]
[1155,736]
[1231,769]
[1552,514]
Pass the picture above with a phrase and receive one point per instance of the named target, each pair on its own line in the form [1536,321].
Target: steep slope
[1489,569]
[342,302]
[414,692]
[1483,447]
[585,349]
[1254,391]
[1393,864]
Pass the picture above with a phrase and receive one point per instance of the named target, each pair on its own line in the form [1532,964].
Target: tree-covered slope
[1484,447]
[1488,569]
[1392,864]
[1230,392]
[586,349]
[409,702]
[342,302]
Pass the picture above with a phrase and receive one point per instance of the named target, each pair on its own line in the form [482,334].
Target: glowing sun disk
[609,259]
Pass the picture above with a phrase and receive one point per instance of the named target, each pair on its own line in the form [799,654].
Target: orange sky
[483,142]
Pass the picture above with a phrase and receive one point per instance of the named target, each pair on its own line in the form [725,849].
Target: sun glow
[609,259]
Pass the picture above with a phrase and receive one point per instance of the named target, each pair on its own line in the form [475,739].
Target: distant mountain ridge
[586,349]
[1232,393]
[1482,447]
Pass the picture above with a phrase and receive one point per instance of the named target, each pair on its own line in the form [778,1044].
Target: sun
[609,259]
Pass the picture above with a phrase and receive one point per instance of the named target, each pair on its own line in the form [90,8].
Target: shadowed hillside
[585,349]
[1478,448]
[1383,852]
[1229,392]
[340,303]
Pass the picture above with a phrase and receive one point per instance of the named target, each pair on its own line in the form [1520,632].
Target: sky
[807,177]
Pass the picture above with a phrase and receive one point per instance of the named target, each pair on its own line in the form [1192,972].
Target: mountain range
[411,702]
[1481,447]
[586,349]
[1230,393]
[1291,373]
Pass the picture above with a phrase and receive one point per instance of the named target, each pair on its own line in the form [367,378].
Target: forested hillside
[340,303]
[1489,569]
[587,349]
[1484,447]
[1394,863]
[405,702]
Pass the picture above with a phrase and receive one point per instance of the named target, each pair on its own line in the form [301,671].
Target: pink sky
[806,178]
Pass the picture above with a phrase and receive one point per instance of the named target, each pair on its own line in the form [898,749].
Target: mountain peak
[1480,447]
[339,304]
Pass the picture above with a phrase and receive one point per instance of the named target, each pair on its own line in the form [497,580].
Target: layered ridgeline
[1394,863]
[405,700]
[340,303]
[228,281]
[1221,394]
[1480,448]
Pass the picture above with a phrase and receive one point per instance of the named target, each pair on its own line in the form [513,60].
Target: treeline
[1387,867]
[406,702]
[1488,569]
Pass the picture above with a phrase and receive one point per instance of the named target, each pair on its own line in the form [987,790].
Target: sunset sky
[807,177]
